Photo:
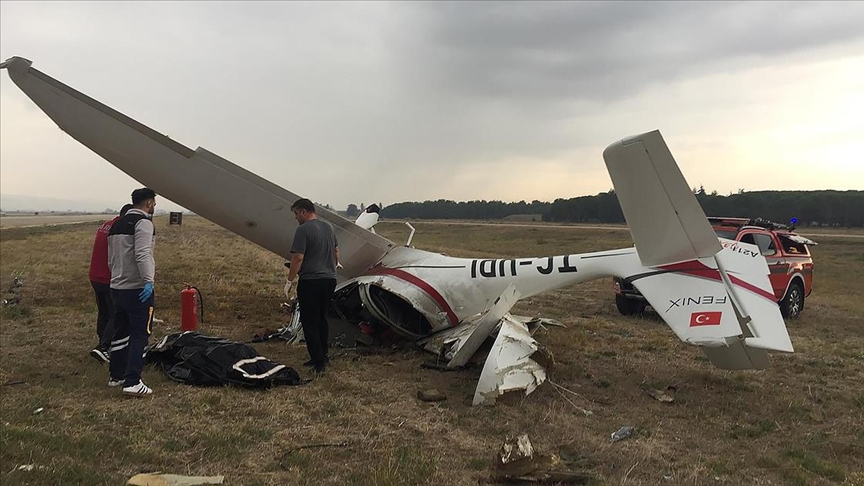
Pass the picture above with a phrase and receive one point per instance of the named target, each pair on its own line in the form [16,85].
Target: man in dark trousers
[130,257]
[314,256]
[100,279]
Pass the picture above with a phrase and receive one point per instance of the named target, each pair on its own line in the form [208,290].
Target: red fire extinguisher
[191,303]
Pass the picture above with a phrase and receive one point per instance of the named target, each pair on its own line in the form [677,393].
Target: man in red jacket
[100,278]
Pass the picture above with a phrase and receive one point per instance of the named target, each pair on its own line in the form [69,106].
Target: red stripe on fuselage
[699,269]
[422,285]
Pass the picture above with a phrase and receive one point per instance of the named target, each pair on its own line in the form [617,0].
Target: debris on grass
[510,365]
[660,396]
[38,410]
[518,462]
[13,295]
[156,479]
[623,433]
[516,457]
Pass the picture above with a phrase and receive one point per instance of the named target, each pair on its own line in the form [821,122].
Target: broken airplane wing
[224,193]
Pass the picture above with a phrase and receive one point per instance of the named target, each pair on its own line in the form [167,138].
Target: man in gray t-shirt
[314,256]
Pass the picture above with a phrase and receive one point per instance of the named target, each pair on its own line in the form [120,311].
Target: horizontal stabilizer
[737,356]
[723,304]
[665,219]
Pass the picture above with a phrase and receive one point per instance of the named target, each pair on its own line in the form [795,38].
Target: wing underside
[198,180]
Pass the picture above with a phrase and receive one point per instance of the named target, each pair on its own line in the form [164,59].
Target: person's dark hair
[303,204]
[141,195]
[125,209]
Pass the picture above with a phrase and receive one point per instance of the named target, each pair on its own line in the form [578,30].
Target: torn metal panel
[445,343]
[536,323]
[458,344]
[469,345]
[529,321]
[510,365]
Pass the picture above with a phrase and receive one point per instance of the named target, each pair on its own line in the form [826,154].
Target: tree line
[833,208]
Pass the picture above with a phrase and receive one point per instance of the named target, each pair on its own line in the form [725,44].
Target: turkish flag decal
[705,319]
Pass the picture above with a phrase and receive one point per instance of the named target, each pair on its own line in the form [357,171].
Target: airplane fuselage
[448,290]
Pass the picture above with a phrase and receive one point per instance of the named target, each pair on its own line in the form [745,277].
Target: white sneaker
[114,383]
[100,356]
[137,390]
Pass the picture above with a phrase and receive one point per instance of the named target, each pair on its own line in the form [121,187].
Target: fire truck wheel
[793,302]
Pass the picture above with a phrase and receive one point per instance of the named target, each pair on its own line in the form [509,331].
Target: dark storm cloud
[411,100]
[597,52]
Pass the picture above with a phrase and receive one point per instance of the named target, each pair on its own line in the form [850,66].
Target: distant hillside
[840,208]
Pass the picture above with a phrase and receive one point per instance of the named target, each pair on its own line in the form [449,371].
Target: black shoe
[311,363]
[319,370]
[100,356]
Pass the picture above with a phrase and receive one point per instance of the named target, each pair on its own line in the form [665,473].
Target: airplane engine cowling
[403,307]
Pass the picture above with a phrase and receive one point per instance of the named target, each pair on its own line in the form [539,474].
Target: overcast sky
[388,102]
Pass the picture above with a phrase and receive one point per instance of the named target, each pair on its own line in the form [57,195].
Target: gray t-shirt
[317,242]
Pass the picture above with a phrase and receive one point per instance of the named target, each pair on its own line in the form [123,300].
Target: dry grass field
[800,422]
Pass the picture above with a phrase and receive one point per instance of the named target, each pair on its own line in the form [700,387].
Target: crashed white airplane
[451,305]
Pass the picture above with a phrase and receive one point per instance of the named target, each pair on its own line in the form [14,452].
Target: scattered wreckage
[451,305]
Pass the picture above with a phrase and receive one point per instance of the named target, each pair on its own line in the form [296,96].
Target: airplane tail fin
[714,297]
[665,219]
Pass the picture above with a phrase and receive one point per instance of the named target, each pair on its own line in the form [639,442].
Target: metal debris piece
[510,364]
[623,433]
[485,326]
[172,480]
[516,457]
[431,395]
[517,461]
[38,410]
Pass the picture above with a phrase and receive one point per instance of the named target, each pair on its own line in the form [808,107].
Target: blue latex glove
[147,292]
